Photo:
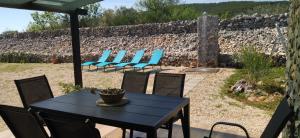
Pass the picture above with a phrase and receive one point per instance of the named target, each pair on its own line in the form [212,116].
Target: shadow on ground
[195,133]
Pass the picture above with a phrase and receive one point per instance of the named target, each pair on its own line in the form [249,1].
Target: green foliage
[15,57]
[269,80]
[153,11]
[10,32]
[156,10]
[92,19]
[44,21]
[227,10]
[69,87]
[121,16]
[255,64]
[50,20]
[274,82]
[182,13]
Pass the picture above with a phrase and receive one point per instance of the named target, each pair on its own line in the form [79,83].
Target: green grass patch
[272,82]
[16,67]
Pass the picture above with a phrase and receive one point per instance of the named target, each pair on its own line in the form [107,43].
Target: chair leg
[123,132]
[170,130]
[131,133]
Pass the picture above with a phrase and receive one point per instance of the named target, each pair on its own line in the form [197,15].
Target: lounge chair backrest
[167,84]
[119,56]
[278,121]
[33,90]
[156,56]
[137,57]
[140,80]
[22,123]
[69,126]
[104,56]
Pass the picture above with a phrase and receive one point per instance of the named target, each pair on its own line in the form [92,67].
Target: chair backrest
[135,81]
[279,119]
[104,56]
[119,56]
[33,90]
[22,123]
[167,84]
[69,126]
[137,57]
[156,56]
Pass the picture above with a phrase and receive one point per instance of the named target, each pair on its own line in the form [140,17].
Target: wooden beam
[76,48]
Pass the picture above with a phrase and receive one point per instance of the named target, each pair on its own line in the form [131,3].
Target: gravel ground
[207,104]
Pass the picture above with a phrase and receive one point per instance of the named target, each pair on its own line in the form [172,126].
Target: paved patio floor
[112,132]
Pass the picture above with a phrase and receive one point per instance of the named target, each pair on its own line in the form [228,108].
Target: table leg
[186,121]
[152,133]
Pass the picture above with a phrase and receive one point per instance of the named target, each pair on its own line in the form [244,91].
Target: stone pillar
[208,50]
[293,69]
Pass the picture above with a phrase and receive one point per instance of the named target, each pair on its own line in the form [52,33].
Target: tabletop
[141,113]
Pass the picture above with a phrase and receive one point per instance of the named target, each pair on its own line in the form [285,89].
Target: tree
[44,21]
[292,68]
[157,10]
[92,19]
[10,32]
[50,20]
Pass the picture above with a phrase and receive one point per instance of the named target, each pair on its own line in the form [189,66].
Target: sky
[14,19]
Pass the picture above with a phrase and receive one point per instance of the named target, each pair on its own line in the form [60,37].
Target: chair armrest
[227,124]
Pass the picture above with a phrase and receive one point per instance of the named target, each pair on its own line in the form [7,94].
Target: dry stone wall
[179,39]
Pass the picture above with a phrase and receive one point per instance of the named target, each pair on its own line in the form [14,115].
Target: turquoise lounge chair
[117,60]
[154,60]
[103,58]
[135,60]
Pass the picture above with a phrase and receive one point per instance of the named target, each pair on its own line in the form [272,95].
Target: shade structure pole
[76,48]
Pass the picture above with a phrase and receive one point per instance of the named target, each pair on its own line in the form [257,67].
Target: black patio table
[144,112]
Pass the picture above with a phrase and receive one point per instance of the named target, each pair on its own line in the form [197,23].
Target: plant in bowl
[112,95]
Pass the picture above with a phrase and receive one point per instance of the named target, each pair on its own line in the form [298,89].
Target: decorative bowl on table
[112,95]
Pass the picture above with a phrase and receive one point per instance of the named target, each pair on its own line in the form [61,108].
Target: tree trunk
[293,69]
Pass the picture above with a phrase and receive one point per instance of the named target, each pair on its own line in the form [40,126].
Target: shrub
[15,57]
[69,87]
[255,64]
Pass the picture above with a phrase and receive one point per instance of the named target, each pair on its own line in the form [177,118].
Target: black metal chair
[166,84]
[33,90]
[69,126]
[278,121]
[135,81]
[22,123]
